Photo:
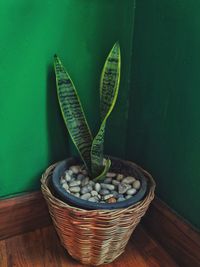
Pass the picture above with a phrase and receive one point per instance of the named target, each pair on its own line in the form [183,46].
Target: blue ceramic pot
[118,166]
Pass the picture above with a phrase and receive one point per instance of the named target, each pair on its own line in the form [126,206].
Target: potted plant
[96,200]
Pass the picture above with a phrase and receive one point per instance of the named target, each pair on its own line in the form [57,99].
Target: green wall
[156,119]
[81,32]
[164,114]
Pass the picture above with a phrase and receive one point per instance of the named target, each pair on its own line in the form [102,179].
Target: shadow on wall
[58,139]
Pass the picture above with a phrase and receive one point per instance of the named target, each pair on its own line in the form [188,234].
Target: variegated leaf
[109,86]
[73,113]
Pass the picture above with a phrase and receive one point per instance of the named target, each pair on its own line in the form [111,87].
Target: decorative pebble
[131,191]
[110,174]
[62,181]
[128,180]
[92,183]
[122,188]
[112,200]
[86,189]
[74,183]
[120,177]
[115,182]
[67,177]
[93,199]
[136,184]
[97,187]
[107,186]
[77,194]
[75,169]
[65,186]
[94,193]
[75,189]
[80,176]
[107,196]
[107,180]
[86,196]
[104,192]
[128,196]
[120,199]
[85,181]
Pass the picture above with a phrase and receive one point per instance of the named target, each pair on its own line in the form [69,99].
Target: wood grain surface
[41,248]
[178,237]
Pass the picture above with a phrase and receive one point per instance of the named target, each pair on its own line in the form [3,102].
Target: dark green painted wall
[156,119]
[164,114]
[32,133]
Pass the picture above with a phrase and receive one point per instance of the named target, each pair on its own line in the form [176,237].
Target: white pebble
[110,174]
[136,184]
[77,194]
[75,169]
[128,196]
[120,199]
[65,186]
[107,196]
[108,186]
[62,181]
[97,187]
[86,196]
[94,193]
[131,191]
[122,188]
[128,180]
[75,189]
[67,177]
[85,181]
[115,182]
[93,199]
[75,183]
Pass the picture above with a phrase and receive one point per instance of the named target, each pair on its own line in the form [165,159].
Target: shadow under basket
[95,237]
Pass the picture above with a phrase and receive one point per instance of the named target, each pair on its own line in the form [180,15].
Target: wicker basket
[94,237]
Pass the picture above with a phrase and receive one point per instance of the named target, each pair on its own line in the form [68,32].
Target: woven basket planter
[94,237]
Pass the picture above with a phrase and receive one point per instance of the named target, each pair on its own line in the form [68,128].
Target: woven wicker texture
[95,237]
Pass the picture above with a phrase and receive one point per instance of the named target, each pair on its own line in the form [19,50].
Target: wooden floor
[41,248]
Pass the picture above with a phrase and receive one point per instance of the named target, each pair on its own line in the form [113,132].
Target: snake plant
[90,148]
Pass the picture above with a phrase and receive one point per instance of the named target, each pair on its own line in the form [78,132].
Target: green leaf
[102,176]
[73,113]
[109,87]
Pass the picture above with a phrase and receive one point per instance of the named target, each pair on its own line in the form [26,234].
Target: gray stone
[94,193]
[93,199]
[120,199]
[128,180]
[120,177]
[74,183]
[80,176]
[136,184]
[84,172]
[97,187]
[115,182]
[92,183]
[107,196]
[111,174]
[85,181]
[77,194]
[65,186]
[107,180]
[75,169]
[122,188]
[108,186]
[86,189]
[128,196]
[131,191]
[86,196]
[75,189]
[104,192]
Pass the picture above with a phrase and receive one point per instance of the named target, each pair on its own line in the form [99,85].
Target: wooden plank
[42,248]
[179,238]
[23,213]
[3,254]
